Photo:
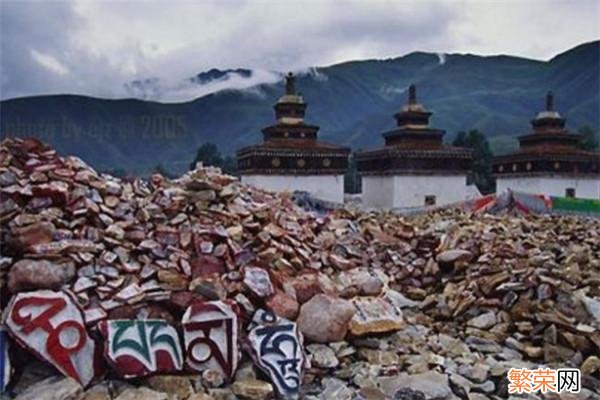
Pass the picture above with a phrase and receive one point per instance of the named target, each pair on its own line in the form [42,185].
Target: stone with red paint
[50,325]
[210,332]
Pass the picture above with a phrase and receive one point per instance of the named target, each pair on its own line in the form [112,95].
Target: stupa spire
[412,94]
[290,84]
[549,101]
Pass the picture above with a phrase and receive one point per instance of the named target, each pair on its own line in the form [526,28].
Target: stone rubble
[202,288]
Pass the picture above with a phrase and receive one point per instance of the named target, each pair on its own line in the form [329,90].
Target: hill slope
[353,103]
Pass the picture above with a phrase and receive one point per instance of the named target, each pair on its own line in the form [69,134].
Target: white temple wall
[324,187]
[378,191]
[586,188]
[410,190]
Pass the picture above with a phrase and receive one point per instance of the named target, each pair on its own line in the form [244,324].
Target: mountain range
[353,102]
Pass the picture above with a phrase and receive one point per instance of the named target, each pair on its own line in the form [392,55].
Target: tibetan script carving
[50,324]
[4,360]
[141,347]
[276,347]
[210,332]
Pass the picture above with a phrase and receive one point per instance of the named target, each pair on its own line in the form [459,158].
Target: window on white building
[570,192]
[430,200]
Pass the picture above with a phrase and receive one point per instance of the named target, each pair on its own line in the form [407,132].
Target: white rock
[53,388]
[483,321]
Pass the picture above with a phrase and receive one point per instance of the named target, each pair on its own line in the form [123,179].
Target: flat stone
[592,306]
[375,315]
[477,372]
[39,274]
[432,384]
[245,371]
[53,388]
[179,386]
[283,306]
[322,356]
[51,325]
[209,287]
[483,321]
[334,388]
[172,280]
[200,396]
[258,281]
[370,393]
[222,394]
[398,300]
[451,256]
[252,389]
[304,287]
[33,234]
[408,394]
[379,357]
[141,393]
[96,392]
[365,281]
[325,318]
[590,365]
[483,345]
[485,387]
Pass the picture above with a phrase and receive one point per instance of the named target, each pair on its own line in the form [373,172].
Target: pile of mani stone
[203,288]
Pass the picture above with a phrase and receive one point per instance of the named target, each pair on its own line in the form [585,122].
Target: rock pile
[200,288]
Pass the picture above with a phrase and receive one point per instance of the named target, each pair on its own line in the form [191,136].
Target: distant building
[291,158]
[414,168]
[549,161]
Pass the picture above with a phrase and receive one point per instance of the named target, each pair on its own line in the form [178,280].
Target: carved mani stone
[5,370]
[275,345]
[210,332]
[141,347]
[50,324]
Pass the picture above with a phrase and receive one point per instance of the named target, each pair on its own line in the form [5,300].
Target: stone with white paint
[5,367]
[136,348]
[50,324]
[275,345]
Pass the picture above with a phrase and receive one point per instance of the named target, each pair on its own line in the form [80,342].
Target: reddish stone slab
[136,348]
[50,324]
[210,332]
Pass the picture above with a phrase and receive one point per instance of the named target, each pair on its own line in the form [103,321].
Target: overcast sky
[95,47]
